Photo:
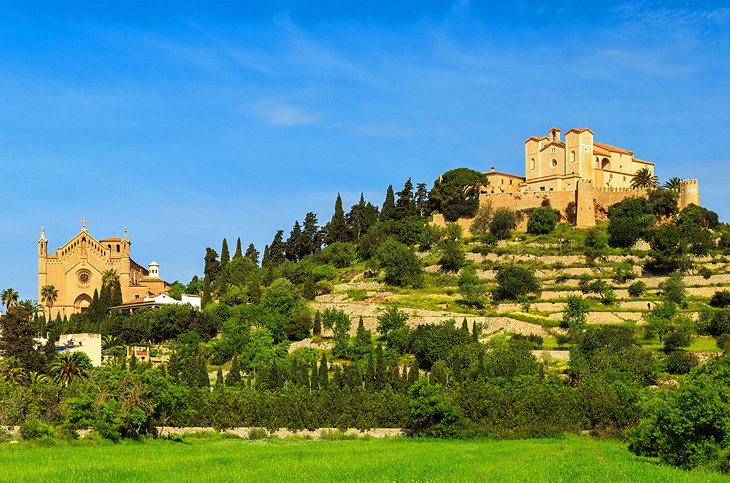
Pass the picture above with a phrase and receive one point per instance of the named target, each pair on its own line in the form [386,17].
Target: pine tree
[294,243]
[238,253]
[233,378]
[253,254]
[225,255]
[323,375]
[311,235]
[405,207]
[317,325]
[336,230]
[388,211]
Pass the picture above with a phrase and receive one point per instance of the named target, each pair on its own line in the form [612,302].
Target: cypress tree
[405,207]
[336,229]
[474,332]
[311,236]
[314,379]
[338,378]
[317,325]
[309,290]
[254,291]
[276,250]
[388,211]
[225,255]
[253,254]
[413,374]
[133,363]
[211,267]
[421,199]
[219,378]
[465,329]
[356,374]
[370,373]
[294,243]
[381,370]
[275,379]
[238,253]
[363,341]
[233,377]
[323,375]
[202,372]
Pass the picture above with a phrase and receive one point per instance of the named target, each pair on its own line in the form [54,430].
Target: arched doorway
[605,164]
[82,302]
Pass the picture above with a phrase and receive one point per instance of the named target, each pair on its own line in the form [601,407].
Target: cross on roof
[83,223]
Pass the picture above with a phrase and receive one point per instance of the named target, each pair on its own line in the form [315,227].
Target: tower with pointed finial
[79,267]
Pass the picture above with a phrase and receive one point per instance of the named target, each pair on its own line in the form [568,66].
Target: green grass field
[215,458]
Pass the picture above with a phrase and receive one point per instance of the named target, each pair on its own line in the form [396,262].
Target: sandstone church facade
[579,177]
[76,270]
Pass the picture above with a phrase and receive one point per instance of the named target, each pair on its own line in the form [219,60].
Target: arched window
[572,156]
[117,248]
[532,163]
[554,163]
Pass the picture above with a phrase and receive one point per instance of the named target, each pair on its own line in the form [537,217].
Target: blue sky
[187,122]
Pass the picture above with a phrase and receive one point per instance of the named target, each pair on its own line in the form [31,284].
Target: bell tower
[42,261]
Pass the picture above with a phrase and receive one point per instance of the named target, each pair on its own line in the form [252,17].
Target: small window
[532,163]
[502,180]
[572,156]
[554,163]
[552,150]
[117,248]
[542,188]
[510,181]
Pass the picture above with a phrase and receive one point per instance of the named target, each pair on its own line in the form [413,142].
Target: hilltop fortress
[577,176]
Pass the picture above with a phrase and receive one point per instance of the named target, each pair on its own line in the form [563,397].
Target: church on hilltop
[579,177]
[76,271]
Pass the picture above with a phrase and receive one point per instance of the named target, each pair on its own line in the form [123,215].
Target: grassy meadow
[211,457]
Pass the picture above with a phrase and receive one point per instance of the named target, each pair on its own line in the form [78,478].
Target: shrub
[628,221]
[720,299]
[503,222]
[36,429]
[356,294]
[339,254]
[575,313]
[542,221]
[402,267]
[513,281]
[637,289]
[705,272]
[257,433]
[623,272]
[452,256]
[673,289]
[681,362]
[324,287]
[471,287]
[690,425]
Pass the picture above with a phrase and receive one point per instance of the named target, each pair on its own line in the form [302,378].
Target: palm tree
[34,377]
[67,367]
[11,370]
[109,278]
[108,342]
[644,178]
[49,294]
[672,184]
[30,308]
[9,298]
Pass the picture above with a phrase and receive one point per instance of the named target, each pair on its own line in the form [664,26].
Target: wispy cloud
[281,114]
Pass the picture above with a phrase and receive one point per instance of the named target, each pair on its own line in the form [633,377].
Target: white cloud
[281,114]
